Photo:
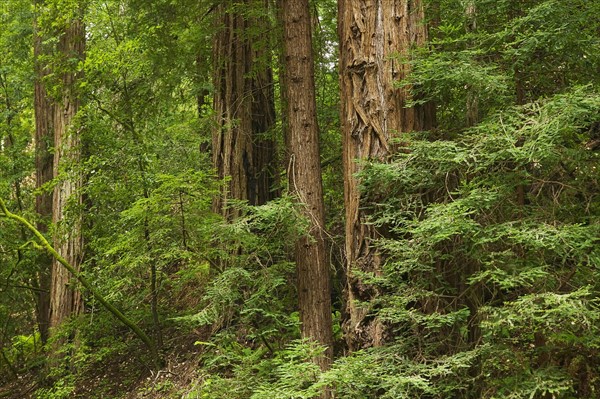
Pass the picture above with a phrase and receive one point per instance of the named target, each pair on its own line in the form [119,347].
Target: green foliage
[24,352]
[19,344]
[489,287]
[386,373]
[289,374]
[493,233]
[249,306]
[493,245]
[62,389]
[294,375]
[513,52]
[251,284]
[148,219]
[167,228]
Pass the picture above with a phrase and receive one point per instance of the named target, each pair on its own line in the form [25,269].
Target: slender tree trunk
[244,110]
[373,111]
[65,300]
[314,287]
[472,95]
[44,139]
[201,101]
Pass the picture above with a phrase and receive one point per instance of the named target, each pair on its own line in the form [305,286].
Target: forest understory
[300,199]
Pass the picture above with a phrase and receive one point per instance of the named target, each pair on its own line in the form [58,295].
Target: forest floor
[119,376]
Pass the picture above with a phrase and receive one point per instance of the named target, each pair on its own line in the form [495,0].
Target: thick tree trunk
[265,166]
[244,111]
[65,300]
[314,288]
[373,35]
[44,139]
[232,138]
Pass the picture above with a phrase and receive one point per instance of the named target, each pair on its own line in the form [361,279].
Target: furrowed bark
[374,37]
[44,137]
[304,174]
[244,110]
[68,238]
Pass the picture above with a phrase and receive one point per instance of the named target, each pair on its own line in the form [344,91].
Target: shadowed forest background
[300,199]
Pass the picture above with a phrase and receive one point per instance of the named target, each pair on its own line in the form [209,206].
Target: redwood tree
[265,171]
[304,174]
[44,138]
[244,107]
[374,37]
[65,300]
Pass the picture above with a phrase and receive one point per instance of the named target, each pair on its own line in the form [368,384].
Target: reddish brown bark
[244,110]
[265,166]
[44,139]
[374,37]
[65,299]
[304,174]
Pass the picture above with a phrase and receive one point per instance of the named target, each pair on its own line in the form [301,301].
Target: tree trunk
[265,167]
[44,137]
[373,35]
[65,300]
[244,111]
[314,288]
[472,95]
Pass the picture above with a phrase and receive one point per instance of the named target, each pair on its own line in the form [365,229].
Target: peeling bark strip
[374,36]
[65,300]
[244,110]
[314,291]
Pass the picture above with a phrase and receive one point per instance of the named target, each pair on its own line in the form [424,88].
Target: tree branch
[84,282]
